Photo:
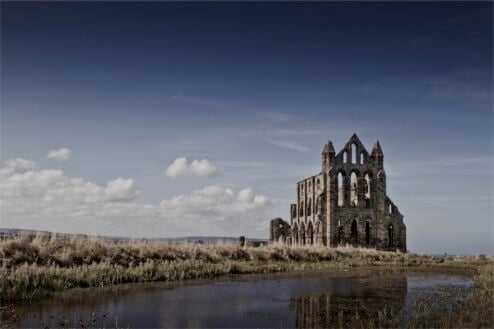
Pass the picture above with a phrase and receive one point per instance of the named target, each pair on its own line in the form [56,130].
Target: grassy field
[35,267]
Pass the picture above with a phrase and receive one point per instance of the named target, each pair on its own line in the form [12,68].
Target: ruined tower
[346,203]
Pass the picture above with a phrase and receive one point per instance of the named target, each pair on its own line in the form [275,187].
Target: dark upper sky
[259,83]
[259,48]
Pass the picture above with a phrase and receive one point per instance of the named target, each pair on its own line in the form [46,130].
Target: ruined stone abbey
[346,203]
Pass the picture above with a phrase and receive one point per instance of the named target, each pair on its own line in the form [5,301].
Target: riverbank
[475,310]
[35,267]
[359,297]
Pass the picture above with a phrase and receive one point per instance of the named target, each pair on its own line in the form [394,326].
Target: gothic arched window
[353,190]
[391,234]
[354,153]
[341,190]
[310,234]
[354,232]
[367,190]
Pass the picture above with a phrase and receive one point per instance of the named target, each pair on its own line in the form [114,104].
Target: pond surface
[304,299]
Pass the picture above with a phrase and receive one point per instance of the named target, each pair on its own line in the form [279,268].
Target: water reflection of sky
[441,287]
[279,300]
[431,281]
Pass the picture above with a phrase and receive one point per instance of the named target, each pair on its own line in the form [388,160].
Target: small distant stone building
[346,203]
[279,231]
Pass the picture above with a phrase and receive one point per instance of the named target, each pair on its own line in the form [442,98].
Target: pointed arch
[295,234]
[391,237]
[310,234]
[341,188]
[367,190]
[353,149]
[309,207]
[362,158]
[345,156]
[302,235]
[354,189]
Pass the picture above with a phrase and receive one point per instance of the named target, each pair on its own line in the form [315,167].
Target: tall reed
[35,266]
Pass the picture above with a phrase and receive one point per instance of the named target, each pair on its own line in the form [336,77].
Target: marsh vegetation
[33,267]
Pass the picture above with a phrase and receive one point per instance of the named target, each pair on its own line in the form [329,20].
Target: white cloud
[20,164]
[121,190]
[218,210]
[197,168]
[178,168]
[48,199]
[62,154]
[16,164]
[50,194]
[246,195]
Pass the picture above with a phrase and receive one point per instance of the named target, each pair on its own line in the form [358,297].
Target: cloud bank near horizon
[35,198]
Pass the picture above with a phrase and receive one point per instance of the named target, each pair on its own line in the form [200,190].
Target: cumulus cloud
[62,154]
[48,193]
[197,168]
[48,199]
[121,190]
[19,163]
[219,210]
[178,168]
[214,203]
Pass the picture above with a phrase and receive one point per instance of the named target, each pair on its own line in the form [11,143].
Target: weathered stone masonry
[344,204]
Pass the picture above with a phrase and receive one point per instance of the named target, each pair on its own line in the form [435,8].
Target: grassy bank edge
[33,268]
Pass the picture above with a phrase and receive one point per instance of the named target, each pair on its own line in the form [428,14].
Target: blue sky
[255,89]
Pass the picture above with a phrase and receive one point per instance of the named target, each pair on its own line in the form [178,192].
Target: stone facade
[279,231]
[346,203]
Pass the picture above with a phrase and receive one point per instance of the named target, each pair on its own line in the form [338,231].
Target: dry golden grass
[35,266]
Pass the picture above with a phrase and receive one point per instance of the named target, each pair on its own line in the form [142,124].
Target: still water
[308,299]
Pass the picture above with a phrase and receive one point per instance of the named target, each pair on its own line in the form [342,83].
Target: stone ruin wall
[344,204]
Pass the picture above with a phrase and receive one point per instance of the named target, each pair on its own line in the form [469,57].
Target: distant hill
[12,232]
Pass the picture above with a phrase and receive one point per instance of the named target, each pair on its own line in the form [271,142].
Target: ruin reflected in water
[303,300]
